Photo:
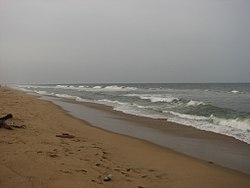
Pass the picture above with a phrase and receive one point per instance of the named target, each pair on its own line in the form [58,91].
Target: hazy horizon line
[71,83]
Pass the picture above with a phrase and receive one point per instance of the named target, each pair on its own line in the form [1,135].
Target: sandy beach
[35,156]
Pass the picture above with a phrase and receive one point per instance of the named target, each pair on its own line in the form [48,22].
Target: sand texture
[38,155]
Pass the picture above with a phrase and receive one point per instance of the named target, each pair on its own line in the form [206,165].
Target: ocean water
[220,108]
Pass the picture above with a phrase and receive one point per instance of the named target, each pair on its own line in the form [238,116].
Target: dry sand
[35,157]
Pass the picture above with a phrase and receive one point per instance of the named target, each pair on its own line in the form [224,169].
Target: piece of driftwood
[65,135]
[2,122]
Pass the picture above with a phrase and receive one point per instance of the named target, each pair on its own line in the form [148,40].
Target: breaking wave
[195,103]
[118,88]
[237,128]
[97,87]
[155,98]
[65,96]
[235,91]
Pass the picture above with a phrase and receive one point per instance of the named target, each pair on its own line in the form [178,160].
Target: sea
[222,108]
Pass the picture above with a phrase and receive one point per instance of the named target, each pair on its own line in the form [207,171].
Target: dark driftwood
[2,122]
[65,135]
[4,118]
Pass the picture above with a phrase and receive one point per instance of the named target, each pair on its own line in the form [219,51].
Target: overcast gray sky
[77,41]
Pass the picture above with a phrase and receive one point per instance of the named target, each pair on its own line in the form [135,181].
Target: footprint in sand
[51,154]
[82,171]
[66,171]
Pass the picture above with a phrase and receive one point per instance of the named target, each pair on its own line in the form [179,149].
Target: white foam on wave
[155,97]
[97,87]
[221,129]
[71,87]
[138,111]
[65,96]
[242,124]
[110,102]
[67,87]
[120,106]
[235,91]
[161,99]
[35,86]
[110,88]
[237,128]
[195,103]
[131,108]
[119,88]
[44,93]
[187,116]
[113,87]
[61,86]
[83,86]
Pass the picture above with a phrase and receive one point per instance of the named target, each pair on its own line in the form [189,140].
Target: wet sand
[36,157]
[180,138]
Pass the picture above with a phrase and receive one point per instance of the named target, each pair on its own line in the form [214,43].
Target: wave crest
[195,103]
[235,91]
[154,98]
[119,88]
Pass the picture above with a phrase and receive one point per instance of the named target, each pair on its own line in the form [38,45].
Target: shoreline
[183,139]
[35,157]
